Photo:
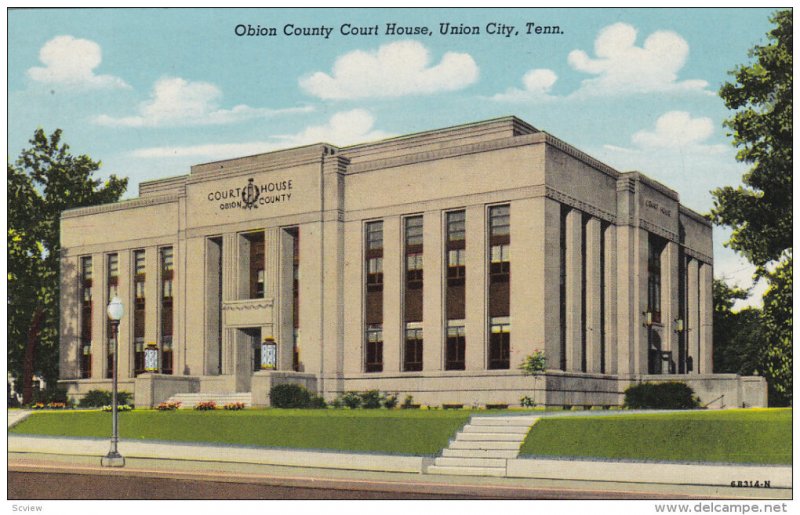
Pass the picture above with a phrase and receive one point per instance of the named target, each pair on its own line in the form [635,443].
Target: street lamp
[114,458]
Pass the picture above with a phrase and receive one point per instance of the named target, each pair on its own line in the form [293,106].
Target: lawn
[407,432]
[762,436]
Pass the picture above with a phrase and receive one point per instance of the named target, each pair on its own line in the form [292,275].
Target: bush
[371,399]
[205,406]
[234,406]
[294,396]
[120,407]
[390,401]
[408,402]
[527,402]
[168,406]
[352,400]
[534,363]
[100,398]
[672,395]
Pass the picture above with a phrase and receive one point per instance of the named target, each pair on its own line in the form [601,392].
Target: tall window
[373,242]
[499,281]
[656,247]
[138,311]
[112,282]
[455,258]
[294,232]
[456,347]
[257,275]
[167,279]
[86,317]
[562,286]
[499,343]
[412,356]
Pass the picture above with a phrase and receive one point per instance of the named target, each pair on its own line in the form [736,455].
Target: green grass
[409,432]
[735,436]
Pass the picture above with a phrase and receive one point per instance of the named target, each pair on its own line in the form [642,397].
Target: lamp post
[114,458]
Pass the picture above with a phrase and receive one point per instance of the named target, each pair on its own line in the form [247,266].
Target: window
[167,277]
[256,272]
[499,344]
[655,247]
[414,269]
[456,348]
[373,301]
[455,259]
[499,261]
[456,226]
[112,281]
[412,358]
[374,354]
[138,311]
[86,317]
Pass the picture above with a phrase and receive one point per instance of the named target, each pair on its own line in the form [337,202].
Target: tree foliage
[45,180]
[739,338]
[760,210]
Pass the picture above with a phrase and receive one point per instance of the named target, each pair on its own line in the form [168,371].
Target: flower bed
[205,406]
[168,406]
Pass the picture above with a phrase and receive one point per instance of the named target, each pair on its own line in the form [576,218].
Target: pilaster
[706,308]
[693,317]
[392,280]
[99,317]
[574,252]
[475,293]
[594,295]
[432,288]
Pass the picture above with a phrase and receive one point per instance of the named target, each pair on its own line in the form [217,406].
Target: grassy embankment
[398,432]
[761,436]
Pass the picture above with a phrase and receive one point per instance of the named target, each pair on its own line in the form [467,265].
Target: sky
[150,92]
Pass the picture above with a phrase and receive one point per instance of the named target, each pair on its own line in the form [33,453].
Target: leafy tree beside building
[760,210]
[45,180]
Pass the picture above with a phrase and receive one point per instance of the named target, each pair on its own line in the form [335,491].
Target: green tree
[45,180]
[739,338]
[760,210]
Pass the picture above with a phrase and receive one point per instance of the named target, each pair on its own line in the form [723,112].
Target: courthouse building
[429,265]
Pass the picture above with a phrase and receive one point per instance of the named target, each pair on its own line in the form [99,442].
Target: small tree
[535,363]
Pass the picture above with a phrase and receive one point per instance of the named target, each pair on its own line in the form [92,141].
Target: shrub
[168,406]
[672,395]
[527,402]
[120,407]
[234,406]
[205,406]
[534,363]
[390,401]
[317,402]
[289,396]
[100,398]
[408,402]
[371,399]
[51,394]
[352,400]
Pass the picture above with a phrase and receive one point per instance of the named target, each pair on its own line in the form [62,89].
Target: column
[610,298]
[69,344]
[627,299]
[706,308]
[432,288]
[475,291]
[230,291]
[640,347]
[353,296]
[125,330]
[574,275]
[152,304]
[282,307]
[693,322]
[99,316]
[670,301]
[393,268]
[594,295]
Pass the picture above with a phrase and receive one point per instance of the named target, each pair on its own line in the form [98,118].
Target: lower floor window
[374,354]
[166,355]
[499,346]
[110,359]
[412,359]
[86,359]
[456,348]
[138,356]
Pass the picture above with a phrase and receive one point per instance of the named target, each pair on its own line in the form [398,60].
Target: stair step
[494,445]
[503,421]
[490,437]
[469,462]
[479,453]
[520,430]
[468,471]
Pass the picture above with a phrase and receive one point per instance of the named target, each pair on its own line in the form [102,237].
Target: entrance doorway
[248,357]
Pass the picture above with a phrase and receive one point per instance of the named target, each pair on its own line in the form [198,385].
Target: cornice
[660,231]
[570,201]
[580,155]
[698,255]
[694,215]
[268,162]
[119,206]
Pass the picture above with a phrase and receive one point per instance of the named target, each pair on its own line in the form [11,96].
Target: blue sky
[152,91]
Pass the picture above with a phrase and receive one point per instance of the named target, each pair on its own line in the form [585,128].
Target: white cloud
[176,102]
[70,61]
[537,85]
[395,69]
[622,67]
[343,128]
[677,129]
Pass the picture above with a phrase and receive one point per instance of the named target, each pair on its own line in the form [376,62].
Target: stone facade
[518,242]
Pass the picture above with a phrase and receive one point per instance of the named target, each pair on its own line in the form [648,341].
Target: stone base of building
[477,389]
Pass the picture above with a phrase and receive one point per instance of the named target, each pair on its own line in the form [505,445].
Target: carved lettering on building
[655,206]
[252,195]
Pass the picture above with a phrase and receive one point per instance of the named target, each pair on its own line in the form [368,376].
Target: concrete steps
[483,446]
[189,400]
